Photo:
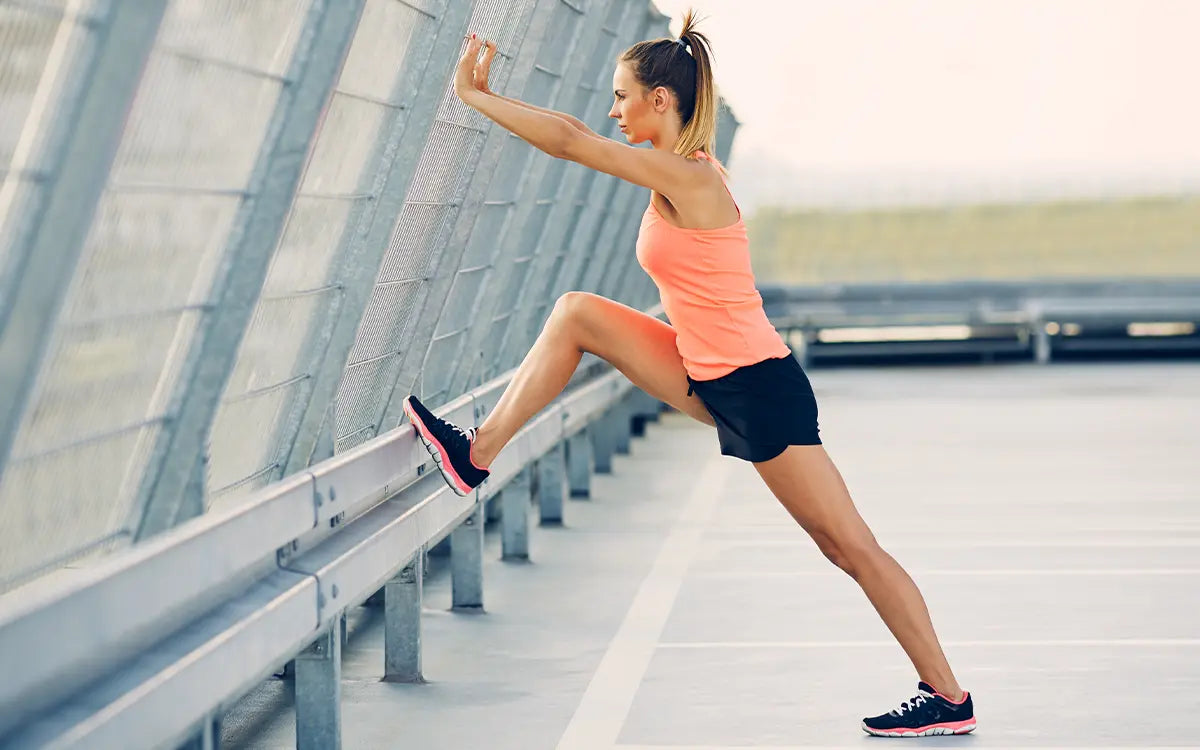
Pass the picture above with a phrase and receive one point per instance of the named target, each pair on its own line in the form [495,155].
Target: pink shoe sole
[950,727]
[435,448]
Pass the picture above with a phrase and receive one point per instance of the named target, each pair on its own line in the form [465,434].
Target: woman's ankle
[481,455]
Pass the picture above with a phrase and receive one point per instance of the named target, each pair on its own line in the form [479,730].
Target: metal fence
[234,234]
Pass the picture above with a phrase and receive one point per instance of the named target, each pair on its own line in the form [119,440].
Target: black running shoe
[928,712]
[449,445]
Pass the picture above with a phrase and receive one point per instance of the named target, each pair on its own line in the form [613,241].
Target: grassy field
[1134,238]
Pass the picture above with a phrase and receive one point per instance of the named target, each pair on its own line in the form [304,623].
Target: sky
[930,101]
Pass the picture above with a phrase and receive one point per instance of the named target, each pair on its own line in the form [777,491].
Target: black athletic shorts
[761,409]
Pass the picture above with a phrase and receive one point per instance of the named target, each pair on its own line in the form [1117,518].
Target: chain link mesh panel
[305,283]
[451,157]
[141,287]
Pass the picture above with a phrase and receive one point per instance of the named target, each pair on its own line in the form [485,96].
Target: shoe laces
[457,431]
[912,703]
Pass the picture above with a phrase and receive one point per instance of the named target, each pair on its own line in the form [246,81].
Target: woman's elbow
[568,144]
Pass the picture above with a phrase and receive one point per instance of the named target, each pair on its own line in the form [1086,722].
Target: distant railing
[1033,320]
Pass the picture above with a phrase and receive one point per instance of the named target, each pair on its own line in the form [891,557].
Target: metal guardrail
[1023,319]
[152,643]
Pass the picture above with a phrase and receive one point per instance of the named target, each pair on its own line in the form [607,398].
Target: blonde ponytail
[699,132]
[685,67]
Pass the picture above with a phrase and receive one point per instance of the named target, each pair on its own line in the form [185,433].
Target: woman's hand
[472,73]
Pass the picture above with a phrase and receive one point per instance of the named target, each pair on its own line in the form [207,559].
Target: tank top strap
[699,154]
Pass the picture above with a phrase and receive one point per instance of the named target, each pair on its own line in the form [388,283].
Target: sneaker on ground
[450,446]
[928,712]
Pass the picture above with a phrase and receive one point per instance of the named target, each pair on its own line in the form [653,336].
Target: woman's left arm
[666,173]
[541,129]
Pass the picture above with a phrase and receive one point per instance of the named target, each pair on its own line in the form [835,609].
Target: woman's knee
[570,309]
[852,552]
[572,304]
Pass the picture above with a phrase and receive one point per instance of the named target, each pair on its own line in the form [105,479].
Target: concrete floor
[1050,516]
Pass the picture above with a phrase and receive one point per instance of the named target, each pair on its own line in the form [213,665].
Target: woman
[719,361]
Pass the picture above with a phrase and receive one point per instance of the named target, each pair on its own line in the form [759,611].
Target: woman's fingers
[465,74]
[484,68]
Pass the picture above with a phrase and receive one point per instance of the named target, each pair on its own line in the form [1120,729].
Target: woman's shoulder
[701,155]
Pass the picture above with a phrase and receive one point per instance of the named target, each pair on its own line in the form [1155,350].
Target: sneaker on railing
[450,446]
[928,712]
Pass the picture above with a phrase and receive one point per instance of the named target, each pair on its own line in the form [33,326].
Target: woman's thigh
[642,347]
[812,490]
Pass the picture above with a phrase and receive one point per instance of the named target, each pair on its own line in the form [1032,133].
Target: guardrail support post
[646,408]
[603,443]
[514,517]
[493,511]
[622,416]
[579,464]
[402,623]
[319,693]
[800,349]
[653,408]
[640,410]
[466,562]
[208,738]
[552,485]
[1041,343]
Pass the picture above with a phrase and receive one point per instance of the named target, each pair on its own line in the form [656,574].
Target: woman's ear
[662,99]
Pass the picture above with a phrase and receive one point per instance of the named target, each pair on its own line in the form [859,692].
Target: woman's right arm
[481,73]
[572,121]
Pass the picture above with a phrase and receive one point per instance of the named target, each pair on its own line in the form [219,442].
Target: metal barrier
[153,642]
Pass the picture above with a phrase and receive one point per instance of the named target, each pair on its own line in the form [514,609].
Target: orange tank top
[707,289]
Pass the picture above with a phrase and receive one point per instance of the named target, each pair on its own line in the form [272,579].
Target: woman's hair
[665,62]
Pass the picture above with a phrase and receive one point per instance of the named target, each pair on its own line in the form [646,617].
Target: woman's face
[632,109]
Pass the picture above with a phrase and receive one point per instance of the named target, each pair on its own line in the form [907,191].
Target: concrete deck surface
[1050,516]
